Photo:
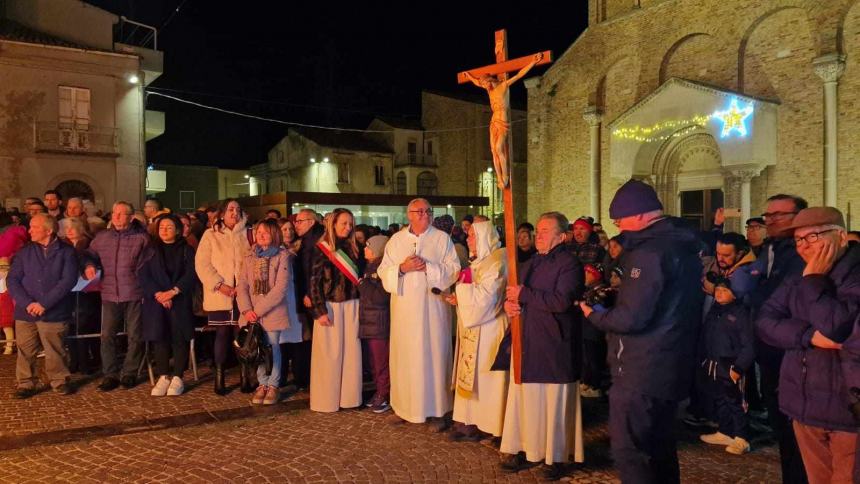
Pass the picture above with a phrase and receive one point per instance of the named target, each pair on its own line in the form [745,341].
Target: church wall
[763,48]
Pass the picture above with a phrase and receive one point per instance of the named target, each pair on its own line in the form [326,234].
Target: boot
[220,389]
[245,379]
[10,335]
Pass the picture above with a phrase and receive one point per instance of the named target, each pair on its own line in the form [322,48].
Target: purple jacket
[119,255]
[812,388]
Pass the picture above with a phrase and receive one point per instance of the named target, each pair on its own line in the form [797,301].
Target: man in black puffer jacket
[652,333]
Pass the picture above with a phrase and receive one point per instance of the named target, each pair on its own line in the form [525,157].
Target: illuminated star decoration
[734,118]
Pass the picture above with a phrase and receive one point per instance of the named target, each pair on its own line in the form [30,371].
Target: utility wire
[304,125]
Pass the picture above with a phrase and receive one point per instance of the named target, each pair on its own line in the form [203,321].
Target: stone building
[72,113]
[711,101]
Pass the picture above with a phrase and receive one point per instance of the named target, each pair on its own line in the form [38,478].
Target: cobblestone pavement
[139,442]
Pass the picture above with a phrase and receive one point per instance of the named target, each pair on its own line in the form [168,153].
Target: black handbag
[252,348]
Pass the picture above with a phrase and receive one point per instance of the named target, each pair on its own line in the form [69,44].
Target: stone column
[593,117]
[740,182]
[829,68]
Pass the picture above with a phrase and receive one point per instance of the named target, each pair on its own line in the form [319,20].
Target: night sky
[321,63]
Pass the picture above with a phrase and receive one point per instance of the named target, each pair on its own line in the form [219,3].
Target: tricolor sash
[340,260]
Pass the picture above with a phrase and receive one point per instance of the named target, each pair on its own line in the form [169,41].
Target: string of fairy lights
[733,119]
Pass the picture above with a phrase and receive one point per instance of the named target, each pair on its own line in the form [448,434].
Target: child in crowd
[374,321]
[727,347]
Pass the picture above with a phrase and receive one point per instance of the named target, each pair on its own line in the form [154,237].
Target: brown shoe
[272,396]
[437,425]
[259,395]
[394,419]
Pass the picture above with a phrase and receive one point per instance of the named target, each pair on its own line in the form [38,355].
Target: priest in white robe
[479,392]
[417,260]
[543,419]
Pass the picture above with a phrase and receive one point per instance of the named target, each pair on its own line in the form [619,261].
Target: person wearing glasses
[756,234]
[308,231]
[416,261]
[778,260]
[808,317]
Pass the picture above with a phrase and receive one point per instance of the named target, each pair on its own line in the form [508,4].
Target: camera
[600,295]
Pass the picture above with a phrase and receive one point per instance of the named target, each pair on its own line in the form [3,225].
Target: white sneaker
[739,446]
[717,438]
[176,387]
[160,388]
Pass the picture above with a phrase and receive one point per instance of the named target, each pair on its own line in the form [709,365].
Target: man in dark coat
[118,252]
[652,333]
[40,279]
[540,412]
[778,260]
[309,232]
[808,317]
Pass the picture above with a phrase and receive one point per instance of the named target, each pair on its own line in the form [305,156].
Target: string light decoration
[733,119]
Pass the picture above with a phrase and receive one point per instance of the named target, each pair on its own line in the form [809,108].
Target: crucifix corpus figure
[500,123]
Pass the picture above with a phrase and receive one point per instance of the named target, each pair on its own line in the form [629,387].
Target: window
[401,184]
[187,199]
[427,183]
[379,175]
[412,151]
[342,172]
[428,150]
[74,108]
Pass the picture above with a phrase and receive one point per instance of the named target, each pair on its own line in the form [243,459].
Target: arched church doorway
[75,188]
[689,178]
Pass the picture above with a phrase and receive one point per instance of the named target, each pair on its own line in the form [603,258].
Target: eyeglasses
[755,227]
[428,211]
[776,215]
[811,238]
[303,220]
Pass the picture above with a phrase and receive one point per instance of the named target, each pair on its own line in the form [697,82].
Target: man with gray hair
[74,209]
[42,275]
[418,263]
[809,316]
[118,252]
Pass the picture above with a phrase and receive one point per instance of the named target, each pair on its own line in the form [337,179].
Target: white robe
[480,316]
[420,357]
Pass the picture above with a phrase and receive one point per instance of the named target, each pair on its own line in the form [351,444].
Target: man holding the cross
[416,261]
[543,418]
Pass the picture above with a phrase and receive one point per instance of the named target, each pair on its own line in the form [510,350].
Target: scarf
[261,268]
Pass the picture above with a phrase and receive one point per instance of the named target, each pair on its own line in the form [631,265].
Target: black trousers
[162,349]
[790,459]
[729,408]
[593,362]
[642,435]
[297,357]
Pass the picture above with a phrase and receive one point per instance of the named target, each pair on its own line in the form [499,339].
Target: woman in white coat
[479,399]
[218,261]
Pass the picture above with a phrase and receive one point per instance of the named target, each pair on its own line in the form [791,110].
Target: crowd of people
[760,331]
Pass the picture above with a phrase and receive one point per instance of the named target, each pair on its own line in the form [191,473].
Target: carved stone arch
[76,182]
[742,48]
[840,32]
[670,159]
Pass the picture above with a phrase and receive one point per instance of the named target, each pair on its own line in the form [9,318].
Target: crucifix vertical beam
[494,78]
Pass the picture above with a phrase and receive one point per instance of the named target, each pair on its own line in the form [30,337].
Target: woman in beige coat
[218,263]
[262,295]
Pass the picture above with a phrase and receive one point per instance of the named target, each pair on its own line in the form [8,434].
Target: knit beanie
[377,244]
[634,198]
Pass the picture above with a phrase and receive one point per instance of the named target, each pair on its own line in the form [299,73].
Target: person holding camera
[597,293]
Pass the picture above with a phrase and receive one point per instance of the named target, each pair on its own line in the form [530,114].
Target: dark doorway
[75,188]
[698,206]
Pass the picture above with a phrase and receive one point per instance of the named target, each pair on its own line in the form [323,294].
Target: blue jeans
[273,379]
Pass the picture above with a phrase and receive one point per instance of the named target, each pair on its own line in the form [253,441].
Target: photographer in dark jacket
[651,332]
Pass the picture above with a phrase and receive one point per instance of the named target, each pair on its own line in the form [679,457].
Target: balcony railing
[415,159]
[49,137]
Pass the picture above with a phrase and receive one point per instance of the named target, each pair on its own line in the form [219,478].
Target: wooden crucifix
[494,78]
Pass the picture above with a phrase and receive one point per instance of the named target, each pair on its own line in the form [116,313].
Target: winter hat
[634,198]
[595,270]
[444,223]
[377,244]
[584,223]
[618,271]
